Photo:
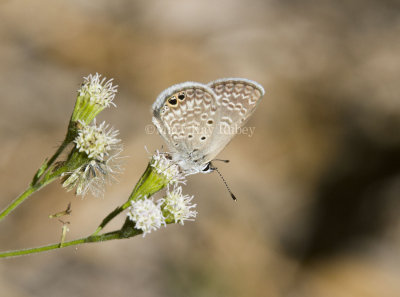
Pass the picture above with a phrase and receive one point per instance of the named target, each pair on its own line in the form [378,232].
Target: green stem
[127,232]
[107,219]
[57,153]
[50,177]
[150,183]
[38,182]
[30,190]
[42,170]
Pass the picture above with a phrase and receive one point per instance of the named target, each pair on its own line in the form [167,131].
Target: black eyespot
[181,96]
[203,138]
[210,122]
[190,136]
[172,101]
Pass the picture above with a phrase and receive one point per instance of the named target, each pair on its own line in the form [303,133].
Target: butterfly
[198,120]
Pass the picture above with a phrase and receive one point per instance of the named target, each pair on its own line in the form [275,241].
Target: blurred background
[318,183]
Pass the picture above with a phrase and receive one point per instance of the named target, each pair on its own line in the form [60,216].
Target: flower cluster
[94,160]
[96,141]
[163,165]
[100,92]
[100,149]
[94,95]
[177,207]
[146,214]
[92,177]
[173,208]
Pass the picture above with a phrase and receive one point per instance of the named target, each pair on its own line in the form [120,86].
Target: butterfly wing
[186,115]
[236,99]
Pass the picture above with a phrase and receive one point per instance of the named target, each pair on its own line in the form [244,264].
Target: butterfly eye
[181,96]
[172,100]
[208,168]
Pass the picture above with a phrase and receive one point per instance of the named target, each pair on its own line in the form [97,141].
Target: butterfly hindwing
[186,115]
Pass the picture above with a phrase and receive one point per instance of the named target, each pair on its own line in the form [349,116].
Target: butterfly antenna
[226,184]
[225,161]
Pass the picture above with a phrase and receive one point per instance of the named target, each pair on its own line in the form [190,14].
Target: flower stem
[33,187]
[17,201]
[107,219]
[127,232]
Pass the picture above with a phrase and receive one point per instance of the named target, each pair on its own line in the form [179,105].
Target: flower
[100,92]
[96,141]
[163,165]
[94,161]
[146,214]
[177,207]
[93,176]
[94,95]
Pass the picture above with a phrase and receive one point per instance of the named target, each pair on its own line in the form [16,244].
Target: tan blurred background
[318,183]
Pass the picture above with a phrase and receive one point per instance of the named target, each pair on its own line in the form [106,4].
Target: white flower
[146,214]
[179,206]
[164,165]
[94,176]
[96,141]
[100,92]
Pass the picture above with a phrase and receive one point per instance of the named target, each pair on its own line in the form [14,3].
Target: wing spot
[197,110]
[204,116]
[203,138]
[229,86]
[248,89]
[198,93]
[227,120]
[181,96]
[239,87]
[225,101]
[189,93]
[164,109]
[219,88]
[172,101]
[210,122]
[207,98]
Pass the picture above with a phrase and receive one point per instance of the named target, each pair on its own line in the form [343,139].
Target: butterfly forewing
[236,99]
